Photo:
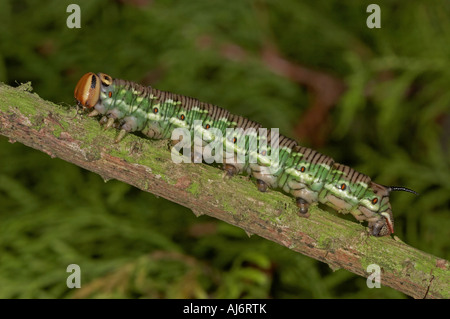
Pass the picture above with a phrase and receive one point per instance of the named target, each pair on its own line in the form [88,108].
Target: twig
[147,165]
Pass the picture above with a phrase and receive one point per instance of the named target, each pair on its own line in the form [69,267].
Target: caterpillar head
[87,91]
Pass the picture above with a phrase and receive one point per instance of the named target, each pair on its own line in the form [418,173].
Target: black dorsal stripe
[93,81]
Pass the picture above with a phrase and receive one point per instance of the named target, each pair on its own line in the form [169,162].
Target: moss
[194,189]
[229,208]
[57,132]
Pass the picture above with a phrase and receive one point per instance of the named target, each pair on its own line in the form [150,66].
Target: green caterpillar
[307,175]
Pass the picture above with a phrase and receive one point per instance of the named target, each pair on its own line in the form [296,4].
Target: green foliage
[393,123]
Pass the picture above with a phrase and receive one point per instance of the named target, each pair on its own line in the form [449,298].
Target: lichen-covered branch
[147,165]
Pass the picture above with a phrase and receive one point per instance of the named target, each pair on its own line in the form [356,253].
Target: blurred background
[375,99]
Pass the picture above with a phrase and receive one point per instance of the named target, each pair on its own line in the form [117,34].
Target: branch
[147,165]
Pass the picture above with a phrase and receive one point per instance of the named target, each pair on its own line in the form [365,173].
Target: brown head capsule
[87,91]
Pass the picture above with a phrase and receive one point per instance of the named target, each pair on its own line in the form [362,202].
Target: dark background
[281,63]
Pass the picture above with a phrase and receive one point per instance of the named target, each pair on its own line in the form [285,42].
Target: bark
[60,132]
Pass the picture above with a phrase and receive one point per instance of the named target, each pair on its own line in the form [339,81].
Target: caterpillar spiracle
[304,173]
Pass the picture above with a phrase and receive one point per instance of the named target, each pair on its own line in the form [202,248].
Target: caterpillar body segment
[306,174]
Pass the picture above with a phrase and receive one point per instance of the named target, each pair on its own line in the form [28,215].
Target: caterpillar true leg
[93,113]
[109,123]
[103,120]
[121,135]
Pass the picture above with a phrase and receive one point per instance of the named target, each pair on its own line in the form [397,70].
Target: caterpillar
[304,173]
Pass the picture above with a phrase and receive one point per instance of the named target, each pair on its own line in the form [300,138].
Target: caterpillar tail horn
[400,188]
